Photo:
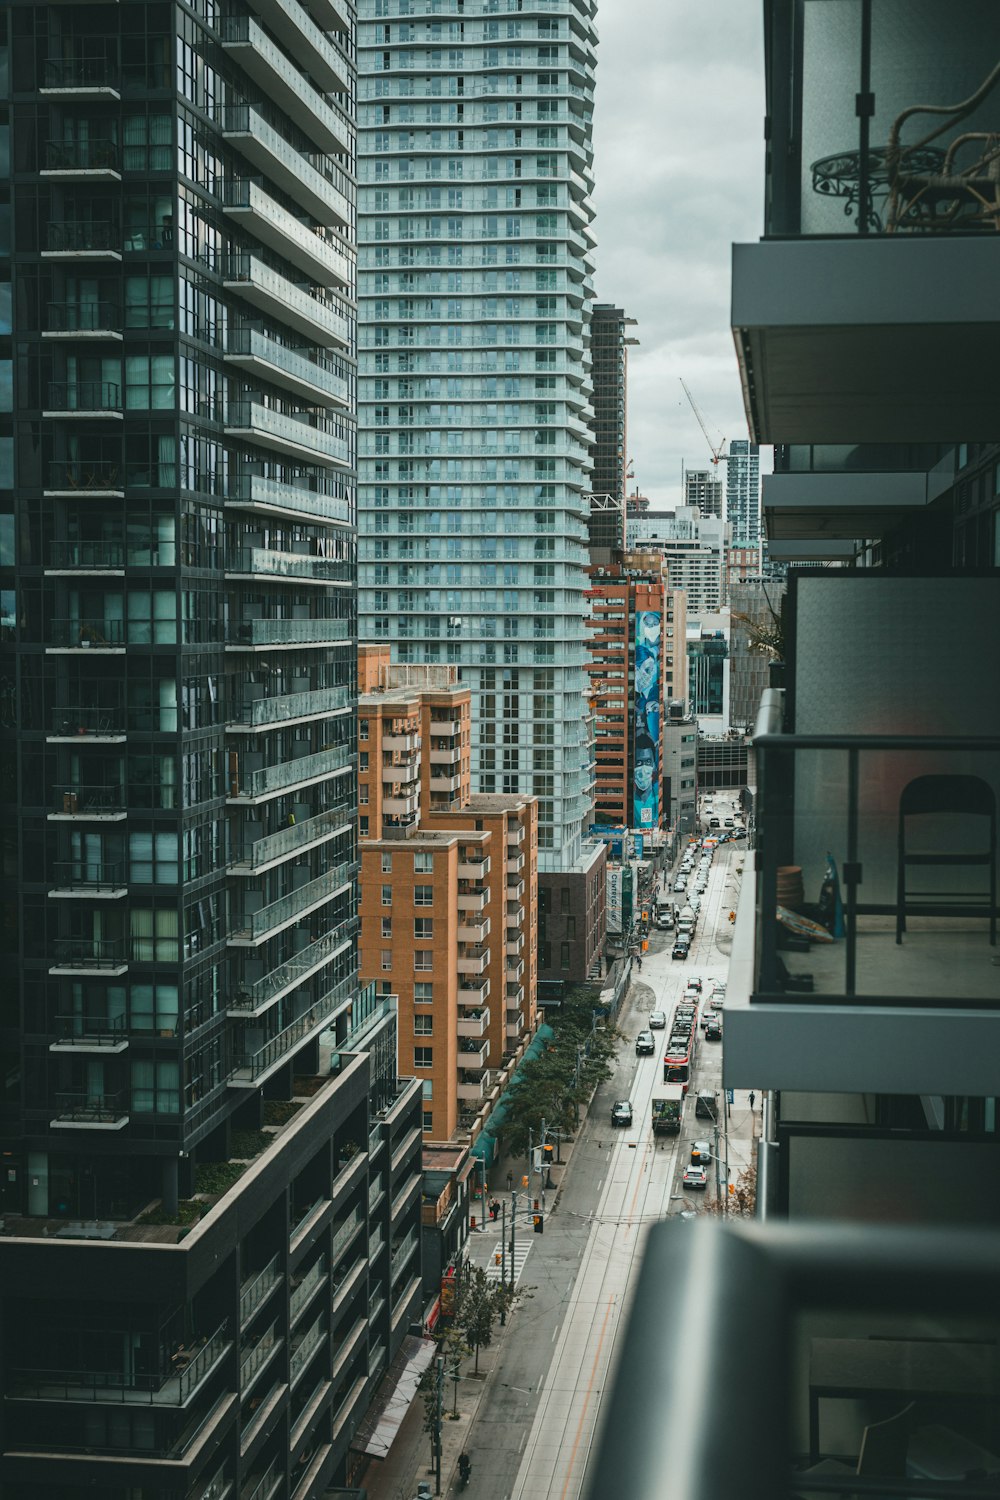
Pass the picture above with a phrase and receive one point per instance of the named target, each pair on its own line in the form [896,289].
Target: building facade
[680,767]
[703,491]
[449,893]
[743,492]
[474,395]
[609,345]
[694,547]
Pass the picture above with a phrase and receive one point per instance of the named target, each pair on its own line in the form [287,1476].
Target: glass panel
[831,78]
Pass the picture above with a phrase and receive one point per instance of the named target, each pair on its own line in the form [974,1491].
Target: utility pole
[503,1261]
[513,1217]
[541,1172]
[437,1424]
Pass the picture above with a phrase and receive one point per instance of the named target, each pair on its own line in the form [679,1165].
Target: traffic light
[539,1223]
[548,1155]
[524,1181]
[496,1257]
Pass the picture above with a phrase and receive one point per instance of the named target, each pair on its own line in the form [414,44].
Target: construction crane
[717,452]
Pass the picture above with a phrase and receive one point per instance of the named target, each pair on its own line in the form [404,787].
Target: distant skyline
[679,168]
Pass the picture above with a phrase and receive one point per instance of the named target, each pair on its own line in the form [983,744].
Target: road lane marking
[586,1400]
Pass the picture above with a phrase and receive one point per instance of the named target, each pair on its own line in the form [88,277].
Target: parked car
[680,950]
[706,1107]
[657,1020]
[680,884]
[644,1044]
[713,1031]
[621,1112]
[695,1177]
[701,1151]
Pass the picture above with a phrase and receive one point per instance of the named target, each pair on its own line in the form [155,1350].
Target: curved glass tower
[474,152]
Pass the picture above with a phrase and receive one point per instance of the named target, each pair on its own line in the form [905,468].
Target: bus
[678,1058]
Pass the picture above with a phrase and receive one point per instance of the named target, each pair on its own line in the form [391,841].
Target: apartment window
[428,1122]
[155,1088]
[423,992]
[363,827]
[423,961]
[153,1008]
[423,864]
[571,927]
[386,929]
[423,1025]
[423,927]
[564,898]
[423,895]
[387,895]
[362,729]
[423,1057]
[564,957]
[386,960]
[363,796]
[386,864]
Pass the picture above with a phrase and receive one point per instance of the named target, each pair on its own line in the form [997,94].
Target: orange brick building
[448,893]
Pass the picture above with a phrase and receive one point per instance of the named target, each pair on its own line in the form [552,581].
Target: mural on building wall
[646,737]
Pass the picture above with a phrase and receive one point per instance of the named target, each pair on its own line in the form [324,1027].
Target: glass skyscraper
[474,235]
[743,492]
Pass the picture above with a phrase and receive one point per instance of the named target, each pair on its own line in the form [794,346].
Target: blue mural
[646,735]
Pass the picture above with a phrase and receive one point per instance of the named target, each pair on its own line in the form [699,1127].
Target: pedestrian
[510,1181]
[752,1098]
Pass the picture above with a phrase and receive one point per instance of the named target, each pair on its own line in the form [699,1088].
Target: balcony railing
[296,307]
[261,1487]
[81,156]
[256,1355]
[317,631]
[268,563]
[172,1387]
[285,82]
[91,1031]
[81,801]
[276,710]
[97,316]
[299,434]
[305,371]
[305,1349]
[304,1289]
[323,260]
[65,73]
[286,840]
[344,1233]
[90,955]
[84,396]
[290,772]
[82,721]
[255,1065]
[95,556]
[89,236]
[102,477]
[256,1288]
[88,1108]
[96,874]
[281,496]
[297,903]
[309,960]
[95,633]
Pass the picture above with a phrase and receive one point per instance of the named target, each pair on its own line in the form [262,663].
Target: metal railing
[295,969]
[86,554]
[84,633]
[80,72]
[81,156]
[166,1387]
[257,1063]
[101,475]
[88,1108]
[88,719]
[260,1488]
[99,1031]
[65,235]
[83,316]
[79,800]
[89,953]
[89,872]
[84,395]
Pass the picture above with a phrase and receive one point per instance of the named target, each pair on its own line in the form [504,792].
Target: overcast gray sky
[679,176]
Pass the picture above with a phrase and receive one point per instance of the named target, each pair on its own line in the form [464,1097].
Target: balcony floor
[940,958]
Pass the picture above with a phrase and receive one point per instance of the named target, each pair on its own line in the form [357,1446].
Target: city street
[530,1435]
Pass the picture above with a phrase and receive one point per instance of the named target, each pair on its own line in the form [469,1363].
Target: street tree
[481,1303]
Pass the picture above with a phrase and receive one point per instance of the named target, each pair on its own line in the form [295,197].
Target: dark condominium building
[609,341]
[177,733]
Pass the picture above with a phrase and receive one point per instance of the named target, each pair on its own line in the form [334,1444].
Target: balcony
[514,993]
[245,128]
[905,1001]
[404,772]
[264,1485]
[272,848]
[474,932]
[401,1252]
[515,968]
[475,1023]
[304,567]
[248,1002]
[97,319]
[515,835]
[303,1350]
[90,1111]
[89,877]
[101,479]
[85,398]
[344,1233]
[301,772]
[444,783]
[304,372]
[82,161]
[93,723]
[294,307]
[515,864]
[401,806]
[286,497]
[88,239]
[473,1053]
[289,708]
[515,889]
[95,557]
[450,757]
[295,29]
[256,1352]
[324,261]
[285,82]
[401,744]
[473,901]
[256,1289]
[252,1068]
[101,1035]
[305,1288]
[301,435]
[473,992]
[81,78]
[249,635]
[471,1087]
[170,1386]
[514,944]
[515,912]
[474,869]
[254,927]
[79,802]
[473,961]
[99,636]
[100,957]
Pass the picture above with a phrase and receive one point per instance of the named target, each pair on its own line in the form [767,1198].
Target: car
[680,950]
[706,1106]
[704,1019]
[694,982]
[694,902]
[714,823]
[695,1177]
[621,1112]
[657,1020]
[644,1043]
[713,1031]
[718,1000]
[680,884]
[729,823]
[701,1151]
[739,833]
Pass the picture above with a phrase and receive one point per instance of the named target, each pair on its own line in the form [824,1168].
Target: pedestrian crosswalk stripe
[500,1260]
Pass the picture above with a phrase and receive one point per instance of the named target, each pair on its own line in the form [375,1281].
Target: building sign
[613,890]
[646,730]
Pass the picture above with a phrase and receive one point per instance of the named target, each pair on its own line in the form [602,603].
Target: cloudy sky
[679,174]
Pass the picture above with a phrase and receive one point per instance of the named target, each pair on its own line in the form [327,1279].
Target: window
[154,935]
[423,992]
[564,898]
[564,957]
[423,927]
[423,961]
[387,895]
[386,960]
[155,1088]
[423,1025]
[153,1007]
[423,864]
[153,858]
[362,729]
[386,864]
[423,895]
[428,1122]
[423,1057]
[386,929]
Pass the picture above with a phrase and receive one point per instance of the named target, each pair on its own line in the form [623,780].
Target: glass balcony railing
[344,1233]
[87,236]
[287,840]
[291,169]
[304,1288]
[256,1288]
[90,955]
[257,712]
[287,632]
[85,396]
[94,633]
[266,562]
[300,368]
[81,156]
[90,73]
[301,434]
[253,999]
[95,316]
[881,851]
[294,306]
[295,29]
[94,556]
[286,83]
[261,1486]
[290,772]
[80,800]
[103,477]
[297,903]
[284,495]
[172,1385]
[255,1355]
[323,259]
[303,1351]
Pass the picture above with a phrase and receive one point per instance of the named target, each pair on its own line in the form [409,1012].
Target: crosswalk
[499,1262]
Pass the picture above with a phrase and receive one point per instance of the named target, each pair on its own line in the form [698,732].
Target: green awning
[485,1146]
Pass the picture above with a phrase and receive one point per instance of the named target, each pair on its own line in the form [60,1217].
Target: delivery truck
[667,1103]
